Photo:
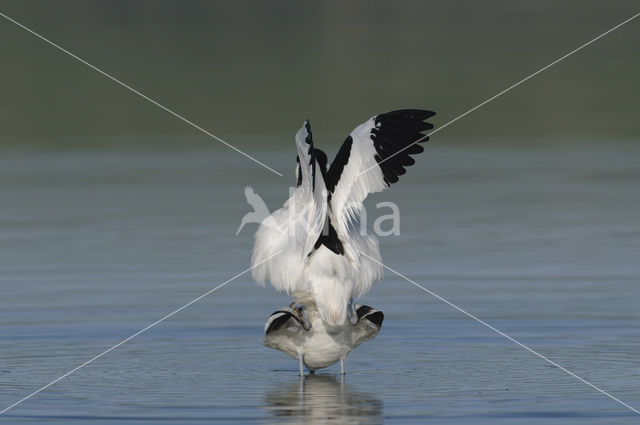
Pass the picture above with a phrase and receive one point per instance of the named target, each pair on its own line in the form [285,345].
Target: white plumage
[317,231]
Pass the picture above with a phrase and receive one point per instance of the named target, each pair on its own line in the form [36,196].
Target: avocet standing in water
[313,248]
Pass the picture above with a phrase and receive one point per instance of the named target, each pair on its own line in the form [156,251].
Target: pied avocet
[324,261]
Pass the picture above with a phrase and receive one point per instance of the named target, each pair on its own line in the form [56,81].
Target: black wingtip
[362,310]
[396,136]
[376,318]
[368,313]
[278,319]
[411,114]
[309,139]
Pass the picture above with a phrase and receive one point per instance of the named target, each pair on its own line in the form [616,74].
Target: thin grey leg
[301,363]
[342,366]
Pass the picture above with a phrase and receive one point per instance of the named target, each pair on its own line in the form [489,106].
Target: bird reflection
[322,399]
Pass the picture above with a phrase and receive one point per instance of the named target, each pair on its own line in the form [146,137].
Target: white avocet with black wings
[323,255]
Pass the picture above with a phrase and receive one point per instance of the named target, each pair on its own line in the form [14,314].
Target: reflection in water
[322,399]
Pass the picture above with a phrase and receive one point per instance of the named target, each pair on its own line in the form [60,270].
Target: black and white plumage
[317,231]
[302,334]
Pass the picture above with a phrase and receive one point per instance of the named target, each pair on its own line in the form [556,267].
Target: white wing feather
[293,229]
[353,187]
[372,157]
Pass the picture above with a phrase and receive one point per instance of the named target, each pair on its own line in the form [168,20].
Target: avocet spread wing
[311,191]
[372,158]
[299,223]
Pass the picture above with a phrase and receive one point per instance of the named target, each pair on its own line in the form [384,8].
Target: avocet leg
[301,364]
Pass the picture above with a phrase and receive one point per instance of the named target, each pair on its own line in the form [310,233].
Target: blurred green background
[246,69]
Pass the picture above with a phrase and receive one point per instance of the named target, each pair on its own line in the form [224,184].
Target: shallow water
[542,244]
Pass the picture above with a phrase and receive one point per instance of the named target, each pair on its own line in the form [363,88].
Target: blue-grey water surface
[541,243]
